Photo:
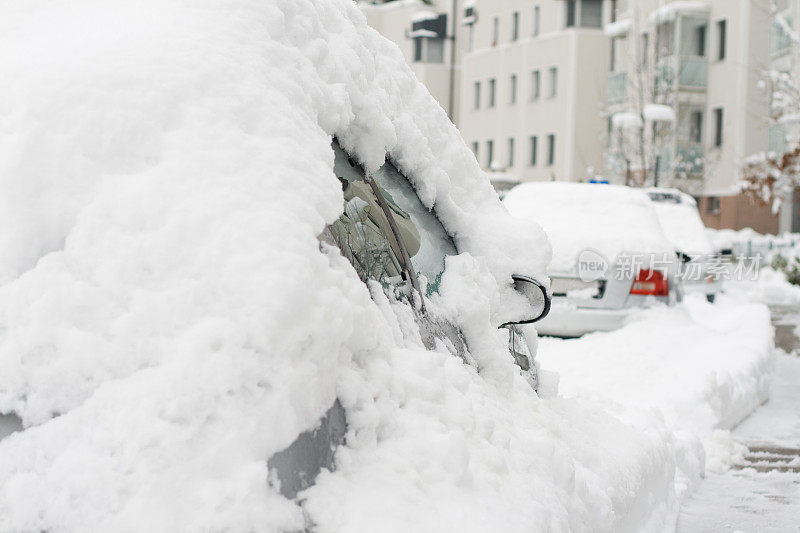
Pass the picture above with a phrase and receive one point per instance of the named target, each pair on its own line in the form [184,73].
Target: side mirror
[536,295]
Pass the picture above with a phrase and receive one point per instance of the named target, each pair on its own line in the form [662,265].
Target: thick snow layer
[682,224]
[670,10]
[702,367]
[620,27]
[626,120]
[609,219]
[659,113]
[169,319]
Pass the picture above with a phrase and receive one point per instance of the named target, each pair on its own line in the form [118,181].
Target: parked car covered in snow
[699,263]
[610,254]
[236,234]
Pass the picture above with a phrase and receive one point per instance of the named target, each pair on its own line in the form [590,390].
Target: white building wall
[572,115]
[733,85]
[394,19]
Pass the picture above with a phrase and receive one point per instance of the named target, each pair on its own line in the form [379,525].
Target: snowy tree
[643,130]
[772,176]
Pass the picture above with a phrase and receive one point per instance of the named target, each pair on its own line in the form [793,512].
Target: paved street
[762,491]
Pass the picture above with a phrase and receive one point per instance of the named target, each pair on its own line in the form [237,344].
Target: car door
[389,237]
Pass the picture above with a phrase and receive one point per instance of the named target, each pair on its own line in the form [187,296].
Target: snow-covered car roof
[609,219]
[678,215]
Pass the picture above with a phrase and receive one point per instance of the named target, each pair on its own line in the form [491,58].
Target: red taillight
[651,283]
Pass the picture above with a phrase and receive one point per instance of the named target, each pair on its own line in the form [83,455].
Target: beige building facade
[425,32]
[642,92]
[686,101]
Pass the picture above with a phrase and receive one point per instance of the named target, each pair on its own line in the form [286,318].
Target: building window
[551,149]
[534,147]
[475,148]
[510,152]
[495,31]
[553,82]
[512,89]
[718,127]
[536,84]
[613,54]
[536,17]
[429,35]
[571,9]
[470,37]
[696,132]
[713,205]
[722,30]
[584,13]
[434,51]
[477,95]
[591,13]
[492,87]
[644,49]
[700,40]
[515,26]
[613,10]
[489,153]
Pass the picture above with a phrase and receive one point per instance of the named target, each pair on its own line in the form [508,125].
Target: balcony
[689,159]
[692,73]
[617,86]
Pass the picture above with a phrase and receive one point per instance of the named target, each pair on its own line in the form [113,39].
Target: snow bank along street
[699,368]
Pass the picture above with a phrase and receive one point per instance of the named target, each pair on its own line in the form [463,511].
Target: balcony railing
[776,138]
[692,73]
[689,159]
[617,86]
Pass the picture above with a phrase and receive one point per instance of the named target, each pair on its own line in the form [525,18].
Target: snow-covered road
[761,492]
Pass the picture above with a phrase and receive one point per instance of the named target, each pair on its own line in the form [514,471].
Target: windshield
[362,232]
[434,243]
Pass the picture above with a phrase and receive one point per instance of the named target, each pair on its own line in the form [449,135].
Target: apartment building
[532,87]
[686,102]
[645,92]
[425,32]
[529,77]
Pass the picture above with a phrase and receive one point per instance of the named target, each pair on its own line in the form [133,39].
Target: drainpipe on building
[627,172]
[451,95]
[655,171]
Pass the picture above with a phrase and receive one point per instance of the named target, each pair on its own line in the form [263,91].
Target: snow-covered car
[234,234]
[610,254]
[700,264]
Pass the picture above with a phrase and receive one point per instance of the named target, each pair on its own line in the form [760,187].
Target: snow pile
[615,29]
[169,319]
[769,287]
[702,367]
[625,120]
[728,238]
[609,219]
[659,113]
[670,10]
